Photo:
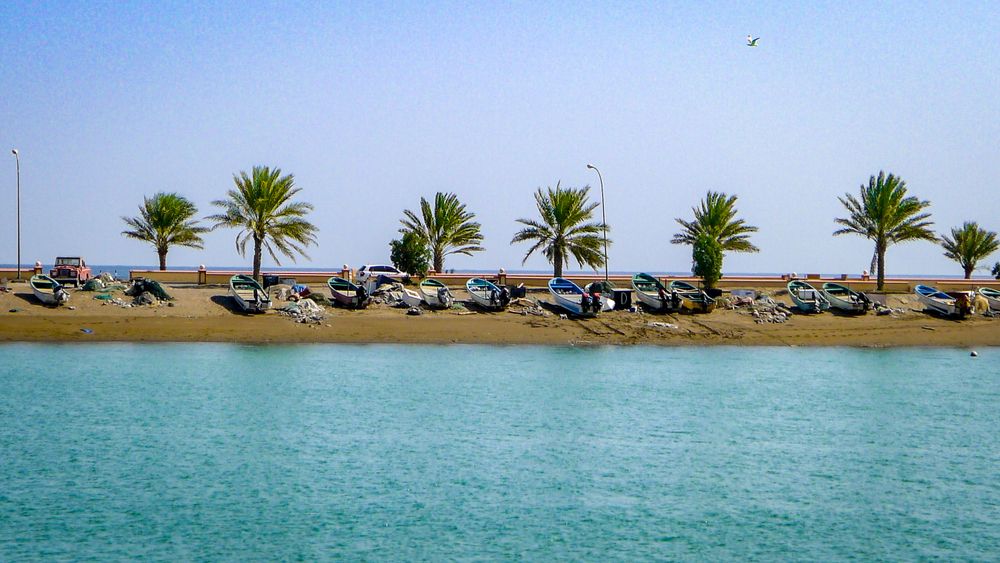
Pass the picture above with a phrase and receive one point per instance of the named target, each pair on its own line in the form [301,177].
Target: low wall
[892,285]
[221,277]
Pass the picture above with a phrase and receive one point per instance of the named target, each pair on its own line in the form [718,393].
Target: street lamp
[17,164]
[604,219]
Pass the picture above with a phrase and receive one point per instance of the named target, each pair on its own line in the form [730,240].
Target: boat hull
[939,302]
[648,291]
[47,290]
[939,306]
[569,296]
[347,294]
[248,294]
[992,297]
[844,299]
[572,305]
[807,298]
[486,295]
[693,300]
[435,294]
[845,305]
[652,301]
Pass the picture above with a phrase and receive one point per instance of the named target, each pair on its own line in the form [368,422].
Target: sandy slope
[206,314]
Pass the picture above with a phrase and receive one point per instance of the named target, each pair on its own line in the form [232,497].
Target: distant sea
[216,452]
[121,270]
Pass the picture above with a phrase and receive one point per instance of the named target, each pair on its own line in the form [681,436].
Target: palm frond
[563,228]
[261,205]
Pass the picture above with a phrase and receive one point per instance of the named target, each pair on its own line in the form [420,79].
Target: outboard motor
[504,296]
[963,303]
[444,296]
[60,294]
[865,300]
[585,302]
[494,297]
[596,302]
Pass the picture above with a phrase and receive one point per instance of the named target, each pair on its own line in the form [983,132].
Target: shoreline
[205,314]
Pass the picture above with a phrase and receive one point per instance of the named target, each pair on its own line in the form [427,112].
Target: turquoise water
[225,452]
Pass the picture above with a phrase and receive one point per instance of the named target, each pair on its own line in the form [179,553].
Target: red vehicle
[70,269]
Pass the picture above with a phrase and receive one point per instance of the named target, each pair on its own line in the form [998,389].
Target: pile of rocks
[764,309]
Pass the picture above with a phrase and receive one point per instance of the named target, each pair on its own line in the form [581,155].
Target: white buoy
[974,354]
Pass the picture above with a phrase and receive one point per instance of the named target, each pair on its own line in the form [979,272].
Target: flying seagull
[752,41]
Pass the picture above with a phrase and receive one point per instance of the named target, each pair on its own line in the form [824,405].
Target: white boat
[409,297]
[992,297]
[942,303]
[436,294]
[248,294]
[807,298]
[571,297]
[845,299]
[487,294]
[48,290]
[654,294]
[602,289]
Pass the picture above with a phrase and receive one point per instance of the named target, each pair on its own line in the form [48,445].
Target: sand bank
[205,314]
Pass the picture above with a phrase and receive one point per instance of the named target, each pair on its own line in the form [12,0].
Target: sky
[374,105]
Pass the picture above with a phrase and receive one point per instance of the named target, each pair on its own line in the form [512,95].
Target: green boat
[653,294]
[248,294]
[348,294]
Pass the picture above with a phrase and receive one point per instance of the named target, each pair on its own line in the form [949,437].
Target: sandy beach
[206,314]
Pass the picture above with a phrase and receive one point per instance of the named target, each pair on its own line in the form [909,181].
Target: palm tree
[885,215]
[261,206]
[446,229]
[563,230]
[715,218]
[165,220]
[968,245]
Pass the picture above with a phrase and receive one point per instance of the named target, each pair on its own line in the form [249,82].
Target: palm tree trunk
[163,259]
[968,271]
[256,258]
[557,263]
[438,261]
[880,249]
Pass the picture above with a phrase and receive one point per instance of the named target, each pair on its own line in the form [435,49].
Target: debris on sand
[304,311]
[144,285]
[524,306]
[388,294]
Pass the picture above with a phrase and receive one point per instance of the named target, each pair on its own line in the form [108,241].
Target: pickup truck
[70,269]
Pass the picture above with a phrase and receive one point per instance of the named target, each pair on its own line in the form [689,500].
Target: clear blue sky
[373,106]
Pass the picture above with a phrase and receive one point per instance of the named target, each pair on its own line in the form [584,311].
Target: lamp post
[604,219]
[17,165]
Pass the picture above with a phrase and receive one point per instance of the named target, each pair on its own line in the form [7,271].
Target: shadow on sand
[228,303]
[30,298]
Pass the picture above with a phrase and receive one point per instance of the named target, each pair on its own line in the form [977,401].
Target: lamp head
[592,166]
[14,152]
